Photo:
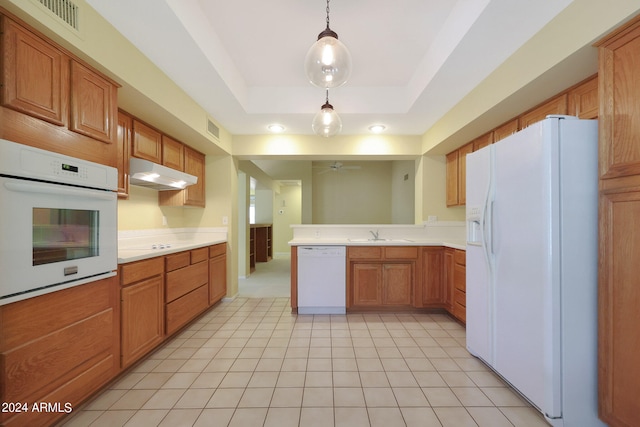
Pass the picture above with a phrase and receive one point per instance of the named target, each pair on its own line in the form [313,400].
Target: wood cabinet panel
[400,252]
[217,250]
[503,131]
[176,261]
[199,255]
[619,228]
[194,165]
[557,105]
[185,308]
[172,153]
[93,104]
[193,195]
[584,101]
[460,256]
[619,77]
[147,142]
[462,172]
[397,281]
[364,252]
[433,289]
[35,75]
[136,271]
[452,178]
[367,281]
[142,318]
[263,242]
[58,347]
[123,141]
[618,300]
[449,285]
[217,278]
[483,141]
[184,280]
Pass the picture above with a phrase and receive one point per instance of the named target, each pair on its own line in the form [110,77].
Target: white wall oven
[58,222]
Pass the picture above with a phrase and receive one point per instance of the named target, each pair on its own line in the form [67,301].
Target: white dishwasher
[322,274]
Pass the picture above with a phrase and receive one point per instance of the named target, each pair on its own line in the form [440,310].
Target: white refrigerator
[532,234]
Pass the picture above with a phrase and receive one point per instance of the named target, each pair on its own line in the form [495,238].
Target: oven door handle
[34,187]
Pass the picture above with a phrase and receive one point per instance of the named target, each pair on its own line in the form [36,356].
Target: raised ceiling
[413,60]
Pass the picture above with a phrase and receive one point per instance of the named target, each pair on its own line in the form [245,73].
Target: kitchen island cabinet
[142,299]
[380,277]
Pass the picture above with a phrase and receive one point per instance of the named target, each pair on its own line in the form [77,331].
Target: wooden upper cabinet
[483,141]
[147,142]
[462,172]
[557,105]
[125,124]
[503,131]
[583,100]
[35,75]
[93,104]
[194,163]
[619,81]
[452,178]
[172,153]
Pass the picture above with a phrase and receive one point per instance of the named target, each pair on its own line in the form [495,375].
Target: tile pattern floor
[250,362]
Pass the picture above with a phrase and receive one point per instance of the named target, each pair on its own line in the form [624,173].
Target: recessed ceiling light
[377,128]
[276,128]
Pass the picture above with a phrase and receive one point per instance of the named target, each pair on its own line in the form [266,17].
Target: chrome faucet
[375,234]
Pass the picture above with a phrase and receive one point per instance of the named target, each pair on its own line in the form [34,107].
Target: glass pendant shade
[328,61]
[327,123]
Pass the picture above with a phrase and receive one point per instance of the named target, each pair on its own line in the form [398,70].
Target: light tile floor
[250,362]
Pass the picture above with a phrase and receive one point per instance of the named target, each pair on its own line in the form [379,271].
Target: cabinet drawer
[180,282]
[460,297]
[460,257]
[217,250]
[185,308]
[401,252]
[199,255]
[136,271]
[364,252]
[460,312]
[176,261]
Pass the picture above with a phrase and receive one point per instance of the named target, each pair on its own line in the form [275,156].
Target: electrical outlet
[164,220]
[225,220]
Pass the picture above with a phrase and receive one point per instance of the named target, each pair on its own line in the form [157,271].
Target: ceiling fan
[336,167]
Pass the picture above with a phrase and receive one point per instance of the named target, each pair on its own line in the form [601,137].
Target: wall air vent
[63,9]
[213,129]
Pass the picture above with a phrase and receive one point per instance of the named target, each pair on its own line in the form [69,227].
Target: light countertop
[136,245]
[450,243]
[130,255]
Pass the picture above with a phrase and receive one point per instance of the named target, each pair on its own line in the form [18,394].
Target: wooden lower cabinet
[403,277]
[186,287]
[382,277]
[142,318]
[433,290]
[217,272]
[58,347]
[142,302]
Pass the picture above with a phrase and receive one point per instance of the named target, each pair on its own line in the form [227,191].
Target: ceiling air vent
[63,9]
[213,129]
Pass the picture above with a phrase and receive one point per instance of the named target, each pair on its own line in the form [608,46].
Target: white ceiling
[413,60]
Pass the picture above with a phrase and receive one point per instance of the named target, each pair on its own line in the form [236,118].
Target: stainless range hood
[152,175]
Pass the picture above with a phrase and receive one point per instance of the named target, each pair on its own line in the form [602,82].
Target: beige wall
[361,196]
[288,210]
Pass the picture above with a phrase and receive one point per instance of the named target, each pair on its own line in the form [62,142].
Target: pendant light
[328,61]
[326,123]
